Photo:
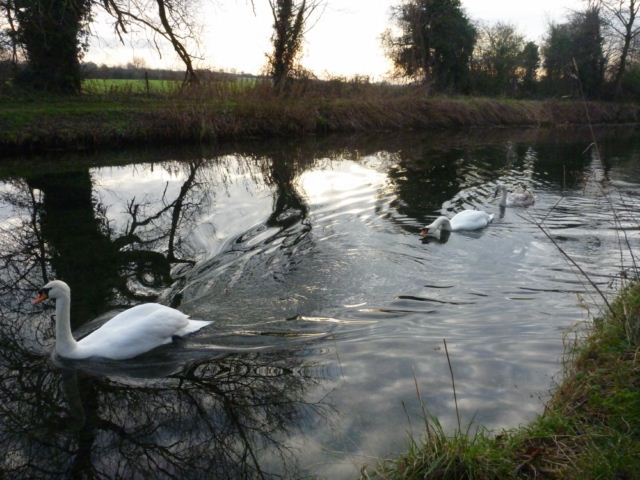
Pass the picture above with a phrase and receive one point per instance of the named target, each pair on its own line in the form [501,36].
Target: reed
[590,428]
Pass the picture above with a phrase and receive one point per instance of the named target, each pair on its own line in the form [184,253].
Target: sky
[343,41]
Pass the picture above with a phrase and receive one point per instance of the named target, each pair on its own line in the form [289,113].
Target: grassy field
[590,428]
[119,112]
[98,86]
[116,86]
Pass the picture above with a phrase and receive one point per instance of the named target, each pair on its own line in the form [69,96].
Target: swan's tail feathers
[490,217]
[192,326]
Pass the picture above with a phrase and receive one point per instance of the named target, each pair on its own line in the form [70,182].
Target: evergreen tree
[574,56]
[435,43]
[54,34]
[530,64]
[589,52]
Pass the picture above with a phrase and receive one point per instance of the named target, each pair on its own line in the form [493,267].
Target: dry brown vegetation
[218,111]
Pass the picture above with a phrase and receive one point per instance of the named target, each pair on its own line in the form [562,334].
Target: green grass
[59,120]
[98,86]
[590,428]
[110,86]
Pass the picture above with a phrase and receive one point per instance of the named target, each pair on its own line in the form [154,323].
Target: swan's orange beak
[424,232]
[41,297]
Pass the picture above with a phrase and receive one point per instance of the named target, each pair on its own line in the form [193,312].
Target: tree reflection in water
[197,412]
[214,418]
[59,227]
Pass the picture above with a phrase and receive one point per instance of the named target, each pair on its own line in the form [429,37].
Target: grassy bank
[590,428]
[220,111]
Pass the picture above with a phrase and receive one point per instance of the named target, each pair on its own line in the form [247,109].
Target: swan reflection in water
[176,412]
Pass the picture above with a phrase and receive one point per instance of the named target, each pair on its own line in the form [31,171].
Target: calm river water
[327,307]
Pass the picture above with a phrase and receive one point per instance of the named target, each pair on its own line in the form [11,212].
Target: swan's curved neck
[441,223]
[65,343]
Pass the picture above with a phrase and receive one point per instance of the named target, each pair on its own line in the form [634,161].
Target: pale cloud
[531,18]
[345,40]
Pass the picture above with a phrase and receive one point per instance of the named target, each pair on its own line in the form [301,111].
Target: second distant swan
[514,199]
[465,220]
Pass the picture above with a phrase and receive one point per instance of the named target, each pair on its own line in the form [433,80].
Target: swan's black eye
[44,291]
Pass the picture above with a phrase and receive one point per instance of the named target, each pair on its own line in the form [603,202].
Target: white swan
[514,199]
[465,220]
[128,334]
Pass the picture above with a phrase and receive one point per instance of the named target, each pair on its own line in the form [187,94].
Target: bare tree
[173,23]
[620,18]
[8,33]
[290,21]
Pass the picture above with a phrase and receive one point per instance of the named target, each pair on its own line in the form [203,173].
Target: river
[329,311]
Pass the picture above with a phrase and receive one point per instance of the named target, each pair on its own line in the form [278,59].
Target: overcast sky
[345,39]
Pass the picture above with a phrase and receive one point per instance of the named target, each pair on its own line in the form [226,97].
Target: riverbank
[590,428]
[206,114]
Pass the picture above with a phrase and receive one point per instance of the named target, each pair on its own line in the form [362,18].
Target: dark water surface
[327,306]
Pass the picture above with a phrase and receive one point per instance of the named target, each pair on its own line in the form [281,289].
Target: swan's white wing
[135,331]
[470,220]
[134,314]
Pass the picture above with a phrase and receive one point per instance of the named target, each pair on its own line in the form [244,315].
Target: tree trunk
[616,14]
[190,75]
[289,18]
[282,14]
[622,65]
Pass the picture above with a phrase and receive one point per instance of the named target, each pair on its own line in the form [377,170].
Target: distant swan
[128,334]
[465,220]
[514,199]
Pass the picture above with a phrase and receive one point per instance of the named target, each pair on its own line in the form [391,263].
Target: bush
[6,72]
[631,83]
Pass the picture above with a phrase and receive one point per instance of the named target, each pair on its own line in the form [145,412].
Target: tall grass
[590,428]
[114,113]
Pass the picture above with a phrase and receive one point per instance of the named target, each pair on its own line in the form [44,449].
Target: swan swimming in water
[514,199]
[465,220]
[128,334]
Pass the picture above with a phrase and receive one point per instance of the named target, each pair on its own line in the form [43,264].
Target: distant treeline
[594,52]
[130,71]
